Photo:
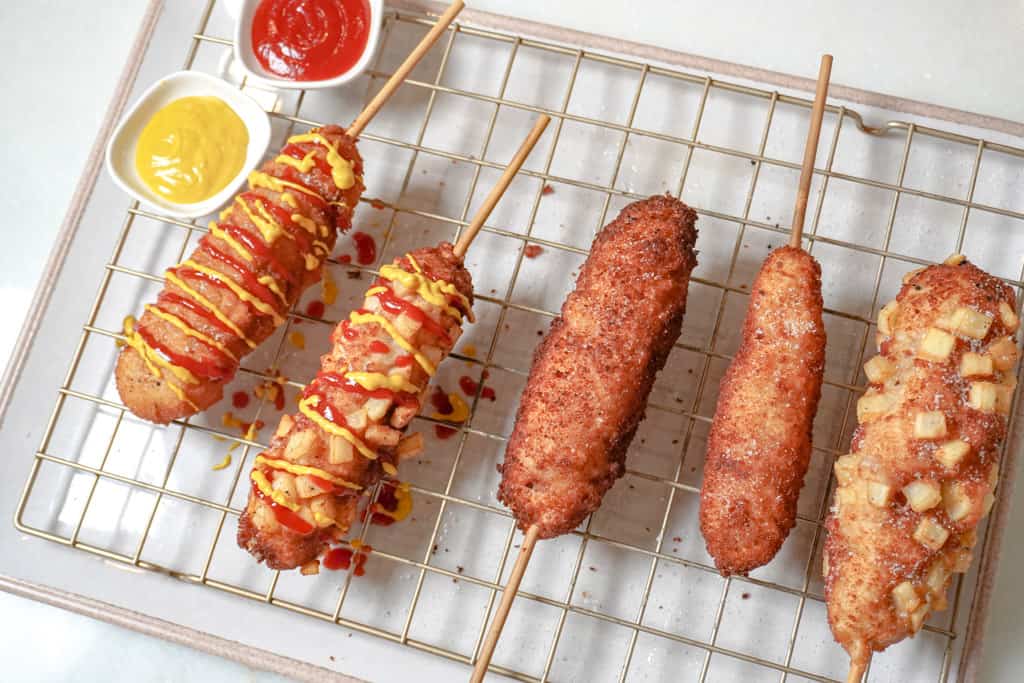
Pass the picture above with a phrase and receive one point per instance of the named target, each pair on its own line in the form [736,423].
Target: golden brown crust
[150,397]
[760,440]
[590,379]
[283,548]
[883,576]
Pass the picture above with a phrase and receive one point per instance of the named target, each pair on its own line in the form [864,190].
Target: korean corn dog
[233,291]
[924,460]
[760,440]
[591,376]
[348,432]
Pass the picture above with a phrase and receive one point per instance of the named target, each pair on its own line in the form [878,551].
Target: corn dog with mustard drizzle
[348,432]
[236,288]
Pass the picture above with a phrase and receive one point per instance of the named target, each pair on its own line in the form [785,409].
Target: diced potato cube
[340,451]
[433,354]
[380,435]
[930,533]
[918,617]
[1008,316]
[879,494]
[952,452]
[955,501]
[976,365]
[846,469]
[307,515]
[356,420]
[962,560]
[1003,353]
[930,424]
[846,496]
[879,369]
[984,396]
[936,345]
[410,445]
[311,568]
[324,511]
[263,518]
[405,372]
[922,495]
[887,318]
[285,483]
[871,406]
[300,445]
[824,565]
[403,415]
[955,260]
[970,323]
[377,408]
[905,597]
[285,425]
[938,602]
[936,577]
[306,487]
[407,326]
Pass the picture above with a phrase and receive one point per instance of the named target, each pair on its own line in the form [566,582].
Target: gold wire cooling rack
[887,254]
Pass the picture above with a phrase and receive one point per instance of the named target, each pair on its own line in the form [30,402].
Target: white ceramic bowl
[121,148]
[254,70]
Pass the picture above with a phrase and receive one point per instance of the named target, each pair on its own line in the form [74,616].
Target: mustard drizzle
[341,168]
[189,330]
[206,303]
[238,290]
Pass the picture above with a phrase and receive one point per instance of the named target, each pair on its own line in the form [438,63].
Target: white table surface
[62,60]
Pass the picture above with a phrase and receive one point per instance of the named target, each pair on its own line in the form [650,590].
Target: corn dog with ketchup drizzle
[759,446]
[348,433]
[236,288]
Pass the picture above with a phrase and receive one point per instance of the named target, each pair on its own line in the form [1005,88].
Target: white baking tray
[631,594]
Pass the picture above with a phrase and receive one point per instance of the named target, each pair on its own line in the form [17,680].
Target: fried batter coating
[244,248]
[760,440]
[924,459]
[591,376]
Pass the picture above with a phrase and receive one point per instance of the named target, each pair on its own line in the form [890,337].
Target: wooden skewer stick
[858,665]
[810,151]
[499,189]
[407,66]
[507,596]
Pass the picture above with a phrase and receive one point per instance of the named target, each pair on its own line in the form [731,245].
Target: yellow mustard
[191,149]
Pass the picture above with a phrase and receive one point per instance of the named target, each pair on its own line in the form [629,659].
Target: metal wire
[707,352]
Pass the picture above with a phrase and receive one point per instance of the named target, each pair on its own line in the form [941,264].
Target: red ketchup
[366,248]
[439,399]
[285,517]
[310,40]
[341,558]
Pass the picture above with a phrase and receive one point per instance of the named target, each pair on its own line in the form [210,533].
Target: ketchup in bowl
[310,40]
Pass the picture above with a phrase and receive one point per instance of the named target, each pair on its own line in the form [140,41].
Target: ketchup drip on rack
[366,248]
[439,399]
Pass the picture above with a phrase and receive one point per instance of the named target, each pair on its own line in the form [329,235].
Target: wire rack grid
[718,296]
